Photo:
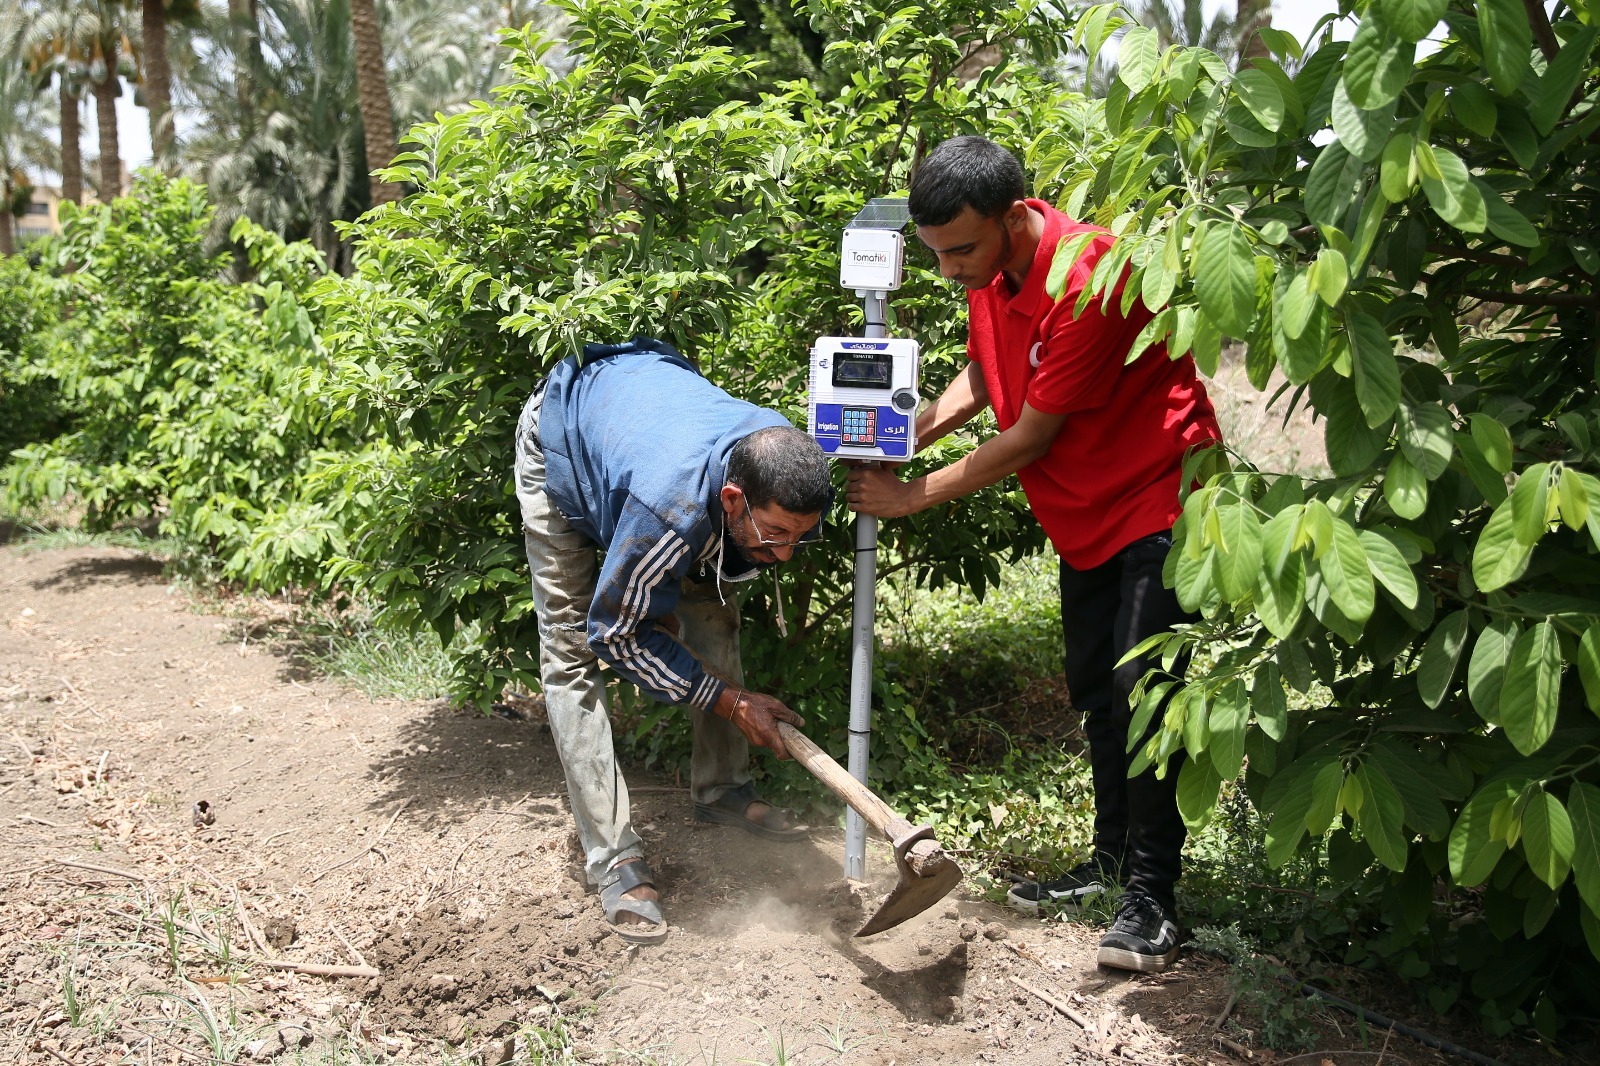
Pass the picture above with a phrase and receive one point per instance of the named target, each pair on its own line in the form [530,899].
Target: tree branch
[1534,299]
[1542,31]
[1474,256]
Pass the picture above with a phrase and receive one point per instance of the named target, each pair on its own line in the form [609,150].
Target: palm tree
[290,154]
[1250,16]
[82,40]
[1184,22]
[377,114]
[24,124]
[156,80]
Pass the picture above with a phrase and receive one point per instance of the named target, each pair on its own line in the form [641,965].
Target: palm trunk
[1250,16]
[7,241]
[377,113]
[105,110]
[158,82]
[246,61]
[71,145]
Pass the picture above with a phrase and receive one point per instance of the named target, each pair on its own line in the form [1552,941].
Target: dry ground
[433,846]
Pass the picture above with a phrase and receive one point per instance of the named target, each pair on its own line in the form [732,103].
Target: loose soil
[191,819]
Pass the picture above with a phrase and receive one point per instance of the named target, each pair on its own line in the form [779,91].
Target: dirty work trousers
[1105,612]
[565,563]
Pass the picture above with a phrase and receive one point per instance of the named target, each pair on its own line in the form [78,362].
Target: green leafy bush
[195,397]
[31,407]
[1406,245]
[633,195]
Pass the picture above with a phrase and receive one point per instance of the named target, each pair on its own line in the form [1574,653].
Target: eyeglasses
[810,537]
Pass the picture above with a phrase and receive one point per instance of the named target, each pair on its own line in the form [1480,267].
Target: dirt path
[435,846]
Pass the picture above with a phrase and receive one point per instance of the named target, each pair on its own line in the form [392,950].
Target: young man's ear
[1016,217]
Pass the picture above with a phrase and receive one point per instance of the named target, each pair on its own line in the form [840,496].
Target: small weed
[837,1035]
[40,538]
[781,1055]
[1263,987]
[69,992]
[382,662]
[169,928]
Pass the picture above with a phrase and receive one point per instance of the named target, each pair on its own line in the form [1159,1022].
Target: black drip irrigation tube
[1378,1020]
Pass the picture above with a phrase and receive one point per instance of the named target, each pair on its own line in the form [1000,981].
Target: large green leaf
[1390,568]
[1397,169]
[1378,64]
[1474,850]
[1376,374]
[1583,807]
[1333,185]
[1351,444]
[1261,97]
[1239,554]
[1346,572]
[1499,558]
[1589,666]
[1422,785]
[1364,133]
[1137,55]
[1532,688]
[1198,785]
[1486,671]
[1554,92]
[1440,656]
[1547,838]
[1505,221]
[1530,504]
[1287,803]
[1296,306]
[1225,279]
[1493,439]
[1412,20]
[1405,488]
[1426,438]
[1326,787]
[1507,38]
[1382,818]
[1473,106]
[1269,702]
[1574,499]
[1451,191]
[1229,714]
[1280,598]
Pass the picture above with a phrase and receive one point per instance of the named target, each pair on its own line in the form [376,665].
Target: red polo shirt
[1112,475]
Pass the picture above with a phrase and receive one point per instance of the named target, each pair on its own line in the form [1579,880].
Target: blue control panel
[863,394]
[881,428]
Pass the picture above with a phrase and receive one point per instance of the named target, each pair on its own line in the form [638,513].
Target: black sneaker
[1066,893]
[1144,937]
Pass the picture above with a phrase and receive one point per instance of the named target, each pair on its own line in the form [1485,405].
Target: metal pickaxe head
[914,892]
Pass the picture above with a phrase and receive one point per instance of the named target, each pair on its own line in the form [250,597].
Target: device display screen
[864,370]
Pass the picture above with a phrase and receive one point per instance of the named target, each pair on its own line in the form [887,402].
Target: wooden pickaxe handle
[878,814]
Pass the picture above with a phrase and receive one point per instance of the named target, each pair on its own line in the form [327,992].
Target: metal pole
[862,638]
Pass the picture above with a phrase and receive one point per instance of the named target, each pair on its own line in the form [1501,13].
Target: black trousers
[1105,612]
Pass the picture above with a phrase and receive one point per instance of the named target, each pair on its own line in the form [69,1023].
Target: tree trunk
[377,113]
[158,83]
[105,110]
[71,145]
[246,61]
[7,242]
[1250,16]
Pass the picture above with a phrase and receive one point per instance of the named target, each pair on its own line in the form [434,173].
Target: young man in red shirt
[1098,442]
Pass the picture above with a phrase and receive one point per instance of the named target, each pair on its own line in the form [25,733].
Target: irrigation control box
[864,397]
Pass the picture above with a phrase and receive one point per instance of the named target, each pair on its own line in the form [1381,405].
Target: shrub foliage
[1406,652]
[1424,279]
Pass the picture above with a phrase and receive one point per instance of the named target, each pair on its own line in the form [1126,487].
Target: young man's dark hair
[781,465]
[965,172]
